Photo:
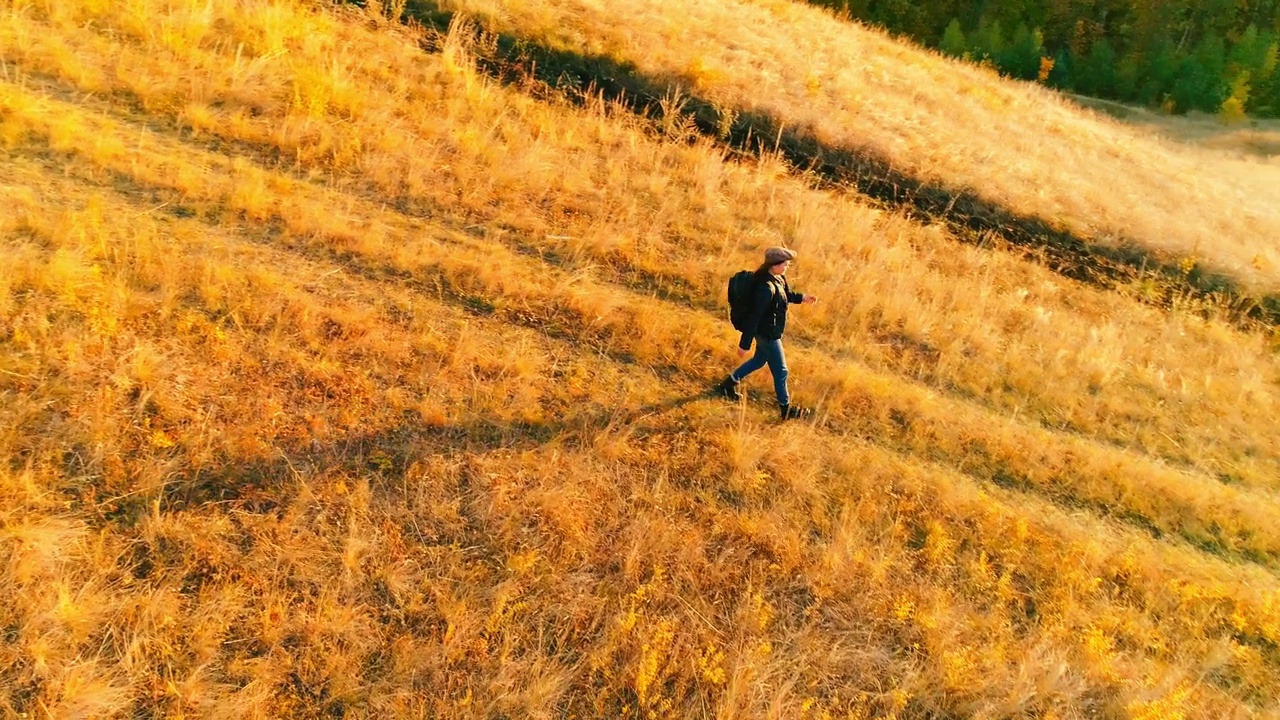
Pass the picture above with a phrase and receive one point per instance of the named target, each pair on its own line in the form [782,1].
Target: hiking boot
[791,412]
[729,389]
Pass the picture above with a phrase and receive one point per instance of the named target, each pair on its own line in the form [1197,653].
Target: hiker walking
[758,308]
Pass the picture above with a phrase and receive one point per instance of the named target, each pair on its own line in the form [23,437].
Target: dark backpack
[742,293]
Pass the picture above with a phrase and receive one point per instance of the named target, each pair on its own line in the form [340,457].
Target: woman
[768,320]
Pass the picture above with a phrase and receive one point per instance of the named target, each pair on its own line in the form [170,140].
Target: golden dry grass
[1018,145]
[1251,139]
[338,379]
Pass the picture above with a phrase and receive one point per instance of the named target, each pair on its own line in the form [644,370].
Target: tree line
[1218,56]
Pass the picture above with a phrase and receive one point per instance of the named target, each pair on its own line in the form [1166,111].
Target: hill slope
[338,378]
[832,88]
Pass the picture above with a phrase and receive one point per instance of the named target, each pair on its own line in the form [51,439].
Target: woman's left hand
[810,299]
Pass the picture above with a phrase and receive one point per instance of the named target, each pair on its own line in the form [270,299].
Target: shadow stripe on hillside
[617,268]
[546,319]
[864,417]
[669,102]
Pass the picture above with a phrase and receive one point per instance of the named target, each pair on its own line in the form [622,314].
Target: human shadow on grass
[257,484]
[294,482]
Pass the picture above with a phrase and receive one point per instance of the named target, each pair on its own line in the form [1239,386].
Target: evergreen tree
[902,16]
[1248,53]
[1211,56]
[1021,57]
[1096,74]
[1200,83]
[1250,65]
[953,40]
[1267,92]
[1128,77]
[1062,74]
[1160,72]
[987,42]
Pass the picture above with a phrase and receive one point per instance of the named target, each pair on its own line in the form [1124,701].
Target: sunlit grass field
[337,378]
[1250,139]
[1015,144]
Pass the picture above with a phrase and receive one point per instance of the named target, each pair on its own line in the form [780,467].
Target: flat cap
[775,255]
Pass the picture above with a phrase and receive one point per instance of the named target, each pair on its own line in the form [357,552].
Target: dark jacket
[769,309]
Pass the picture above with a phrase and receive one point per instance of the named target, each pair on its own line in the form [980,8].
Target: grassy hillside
[929,119]
[338,378]
[1251,139]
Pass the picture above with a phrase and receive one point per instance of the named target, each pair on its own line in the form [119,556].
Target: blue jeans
[767,352]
